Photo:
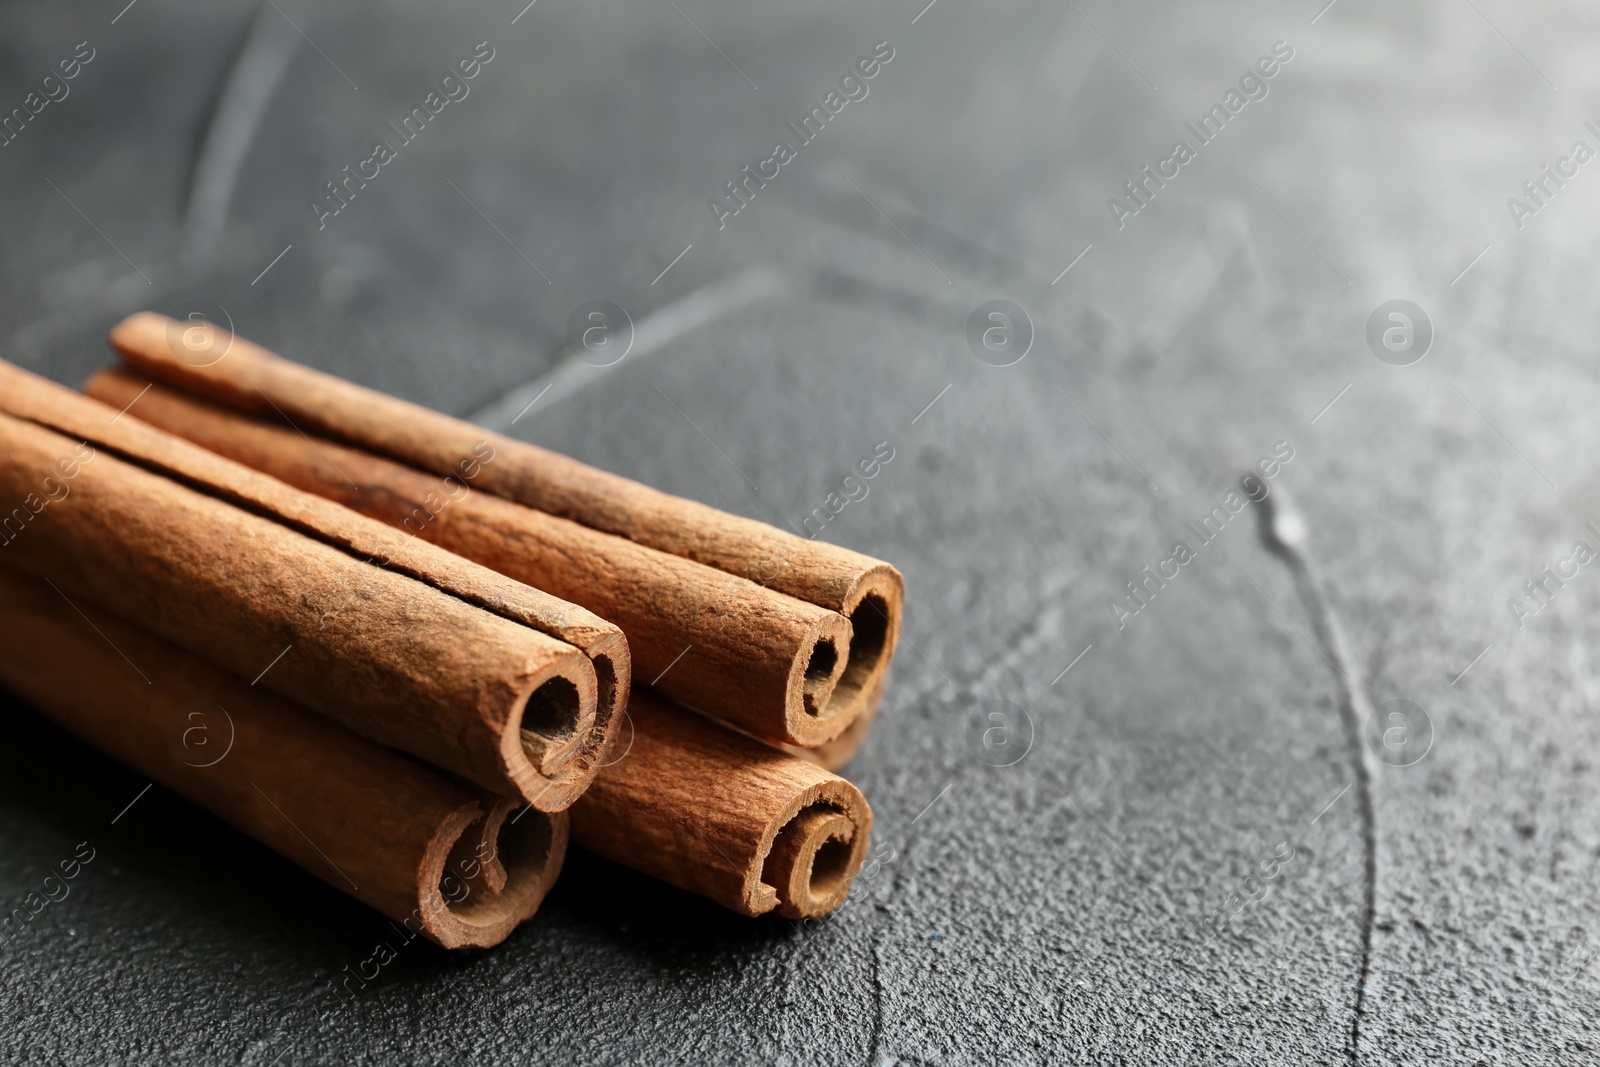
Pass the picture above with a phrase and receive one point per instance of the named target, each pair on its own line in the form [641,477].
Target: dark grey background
[1045,912]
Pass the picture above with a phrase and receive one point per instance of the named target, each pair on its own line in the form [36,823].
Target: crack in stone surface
[1284,532]
[238,108]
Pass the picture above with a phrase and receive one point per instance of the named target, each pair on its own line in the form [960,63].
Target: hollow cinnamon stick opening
[868,592]
[711,811]
[486,894]
[833,755]
[364,819]
[719,643]
[396,638]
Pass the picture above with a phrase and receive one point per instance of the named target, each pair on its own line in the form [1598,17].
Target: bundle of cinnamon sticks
[411,644]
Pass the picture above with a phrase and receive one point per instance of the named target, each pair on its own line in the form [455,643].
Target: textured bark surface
[705,809]
[714,641]
[554,752]
[247,376]
[564,754]
[833,755]
[393,659]
[359,816]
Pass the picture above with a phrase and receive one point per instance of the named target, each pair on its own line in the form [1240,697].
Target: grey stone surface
[1052,911]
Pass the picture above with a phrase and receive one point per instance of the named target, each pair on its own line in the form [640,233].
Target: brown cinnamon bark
[834,755]
[718,643]
[402,653]
[364,819]
[245,376]
[709,810]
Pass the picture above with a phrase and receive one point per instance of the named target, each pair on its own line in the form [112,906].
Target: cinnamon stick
[247,377]
[368,821]
[721,644]
[706,809]
[428,652]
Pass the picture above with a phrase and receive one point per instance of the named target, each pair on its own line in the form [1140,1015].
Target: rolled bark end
[873,605]
[475,855]
[564,730]
[813,860]
[485,873]
[812,714]
[718,813]
[556,719]
[834,754]
[561,788]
